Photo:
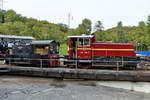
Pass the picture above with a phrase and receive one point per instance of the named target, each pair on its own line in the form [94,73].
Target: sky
[130,12]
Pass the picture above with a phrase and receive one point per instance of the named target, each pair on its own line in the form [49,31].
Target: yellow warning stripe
[84,48]
[105,49]
[114,49]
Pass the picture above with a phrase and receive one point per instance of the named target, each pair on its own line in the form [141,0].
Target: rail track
[87,74]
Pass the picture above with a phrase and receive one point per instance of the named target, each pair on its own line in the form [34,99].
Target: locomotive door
[74,48]
[84,48]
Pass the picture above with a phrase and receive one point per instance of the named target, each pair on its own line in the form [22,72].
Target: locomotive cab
[80,50]
[47,51]
[80,47]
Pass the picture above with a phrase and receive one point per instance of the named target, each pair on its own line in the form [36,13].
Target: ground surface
[35,88]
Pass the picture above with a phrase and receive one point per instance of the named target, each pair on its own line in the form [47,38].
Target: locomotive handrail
[65,59]
[28,61]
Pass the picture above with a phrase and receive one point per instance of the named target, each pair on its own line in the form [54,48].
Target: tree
[99,32]
[148,25]
[85,27]
[148,20]
[121,35]
[2,13]
[11,16]
[142,24]
[63,27]
[119,24]
[98,26]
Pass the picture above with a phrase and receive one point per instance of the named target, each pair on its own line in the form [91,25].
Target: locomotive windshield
[46,47]
[84,42]
[41,49]
[80,42]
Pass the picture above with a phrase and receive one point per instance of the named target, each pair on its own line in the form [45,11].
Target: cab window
[80,42]
[84,42]
[41,49]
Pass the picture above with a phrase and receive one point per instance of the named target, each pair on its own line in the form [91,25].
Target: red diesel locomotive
[85,51]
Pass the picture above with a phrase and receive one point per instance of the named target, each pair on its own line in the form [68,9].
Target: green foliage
[85,27]
[98,26]
[63,49]
[11,16]
[124,34]
[121,34]
[2,13]
[148,27]
[14,24]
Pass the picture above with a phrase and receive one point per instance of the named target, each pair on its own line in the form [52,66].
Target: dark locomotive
[7,41]
[34,53]
[83,51]
[3,48]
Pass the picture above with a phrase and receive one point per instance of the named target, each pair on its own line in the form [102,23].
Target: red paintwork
[103,49]
[52,60]
[70,49]
[84,52]
[114,49]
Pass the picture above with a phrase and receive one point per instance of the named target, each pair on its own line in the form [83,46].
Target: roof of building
[17,37]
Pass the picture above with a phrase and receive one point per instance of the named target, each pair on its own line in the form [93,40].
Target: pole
[68,23]
[9,61]
[117,66]
[76,64]
[41,62]
[2,4]
[136,45]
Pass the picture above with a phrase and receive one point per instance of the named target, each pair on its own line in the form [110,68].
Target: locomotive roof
[81,36]
[42,42]
[16,37]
